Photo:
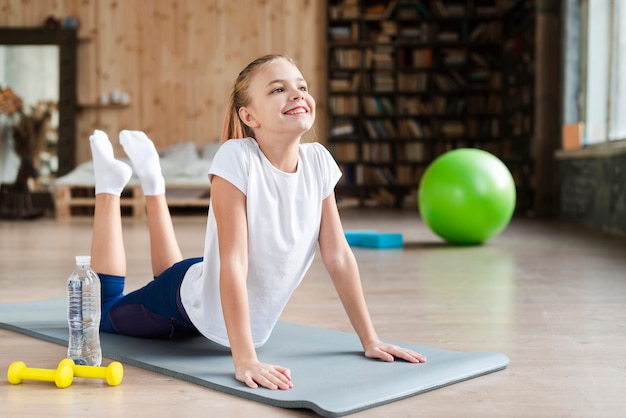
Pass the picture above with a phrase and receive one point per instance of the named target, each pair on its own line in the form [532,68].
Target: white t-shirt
[284,213]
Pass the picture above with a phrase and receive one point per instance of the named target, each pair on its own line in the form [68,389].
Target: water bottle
[83,314]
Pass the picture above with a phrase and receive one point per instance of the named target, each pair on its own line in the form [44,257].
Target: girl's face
[280,101]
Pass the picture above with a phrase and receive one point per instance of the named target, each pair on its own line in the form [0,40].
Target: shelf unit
[519,99]
[407,81]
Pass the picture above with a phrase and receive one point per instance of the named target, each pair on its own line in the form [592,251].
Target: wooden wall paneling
[164,76]
[13,12]
[177,60]
[19,13]
[124,46]
[87,82]
[106,41]
[155,46]
[205,76]
[186,73]
[88,79]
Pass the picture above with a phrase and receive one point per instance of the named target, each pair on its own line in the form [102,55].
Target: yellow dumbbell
[62,376]
[113,373]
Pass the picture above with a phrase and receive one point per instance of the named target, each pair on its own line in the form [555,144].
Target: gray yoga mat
[331,375]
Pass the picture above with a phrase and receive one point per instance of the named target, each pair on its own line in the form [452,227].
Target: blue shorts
[154,311]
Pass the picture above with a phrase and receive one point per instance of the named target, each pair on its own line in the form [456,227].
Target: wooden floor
[550,295]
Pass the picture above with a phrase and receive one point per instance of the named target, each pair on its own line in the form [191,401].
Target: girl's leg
[164,248]
[107,246]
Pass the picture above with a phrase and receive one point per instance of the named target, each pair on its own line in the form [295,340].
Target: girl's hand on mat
[269,376]
[389,352]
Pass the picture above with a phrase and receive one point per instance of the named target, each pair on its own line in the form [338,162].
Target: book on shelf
[390,128]
[342,128]
[387,33]
[486,10]
[412,10]
[439,104]
[380,10]
[455,9]
[454,56]
[377,128]
[448,8]
[344,105]
[483,127]
[388,105]
[383,81]
[413,105]
[458,78]
[482,78]
[345,151]
[413,152]
[375,105]
[377,152]
[422,58]
[383,196]
[413,82]
[486,31]
[444,82]
[403,130]
[452,128]
[343,33]
[412,128]
[448,36]
[439,8]
[411,33]
[455,106]
[415,128]
[483,59]
[493,104]
[443,105]
[349,9]
[347,57]
[380,175]
[380,57]
[344,82]
[409,174]
[370,129]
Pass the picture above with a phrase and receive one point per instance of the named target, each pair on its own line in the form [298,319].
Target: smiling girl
[272,205]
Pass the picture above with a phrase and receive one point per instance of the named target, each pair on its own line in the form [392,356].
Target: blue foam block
[355,237]
[381,240]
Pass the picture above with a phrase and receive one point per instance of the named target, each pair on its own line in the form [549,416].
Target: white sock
[111,175]
[145,158]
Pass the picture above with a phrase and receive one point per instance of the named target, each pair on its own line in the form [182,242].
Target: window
[617,115]
[605,75]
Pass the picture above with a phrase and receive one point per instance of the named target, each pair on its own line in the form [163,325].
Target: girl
[272,203]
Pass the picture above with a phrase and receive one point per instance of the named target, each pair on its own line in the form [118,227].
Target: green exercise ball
[466,196]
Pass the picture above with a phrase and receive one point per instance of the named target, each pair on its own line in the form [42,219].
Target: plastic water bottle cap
[82,260]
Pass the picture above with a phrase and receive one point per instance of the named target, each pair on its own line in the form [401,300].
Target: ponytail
[233,126]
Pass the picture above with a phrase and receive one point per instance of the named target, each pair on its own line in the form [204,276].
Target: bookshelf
[519,99]
[409,80]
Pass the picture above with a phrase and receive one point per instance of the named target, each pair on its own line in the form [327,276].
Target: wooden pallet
[79,200]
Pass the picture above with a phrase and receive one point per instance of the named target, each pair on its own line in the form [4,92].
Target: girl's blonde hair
[240,97]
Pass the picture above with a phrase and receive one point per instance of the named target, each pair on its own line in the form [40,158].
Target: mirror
[32,74]
[38,65]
